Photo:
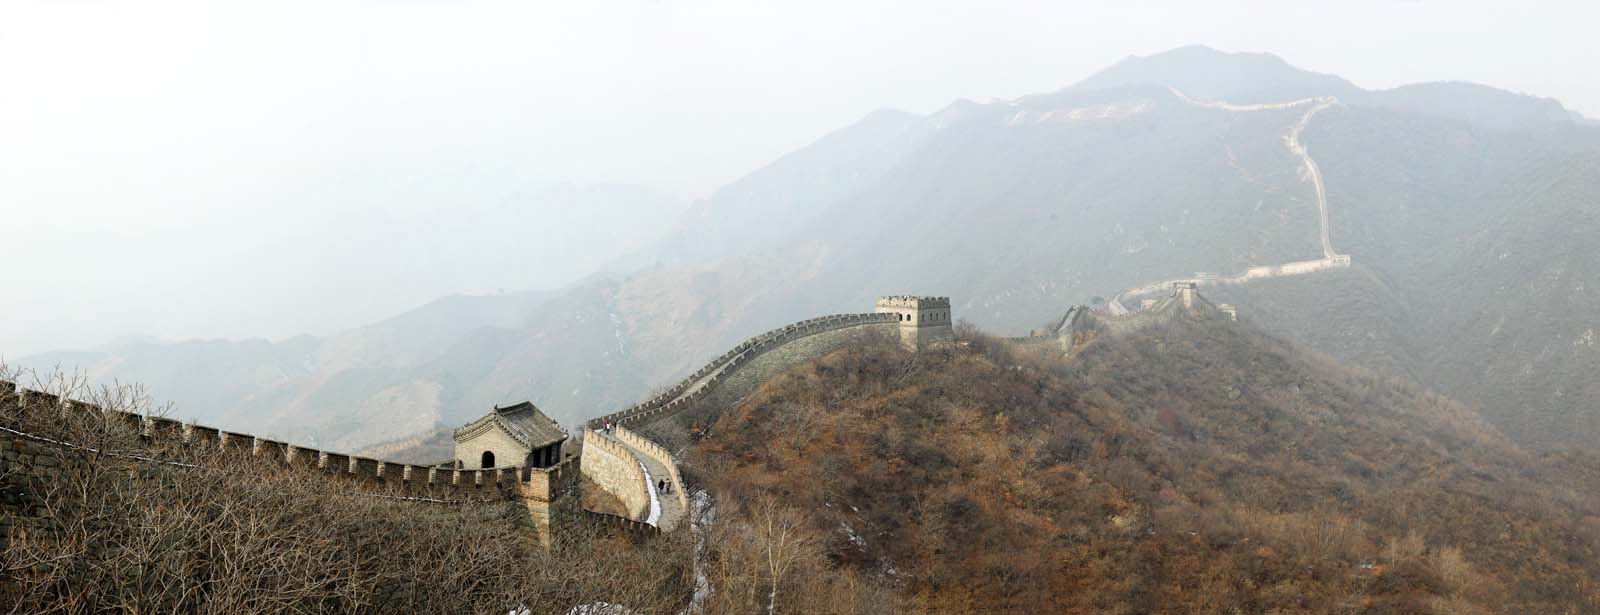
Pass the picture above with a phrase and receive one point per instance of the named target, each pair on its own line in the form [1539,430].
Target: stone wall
[797,342]
[29,454]
[662,456]
[27,467]
[1184,302]
[492,438]
[609,464]
[743,378]
[924,321]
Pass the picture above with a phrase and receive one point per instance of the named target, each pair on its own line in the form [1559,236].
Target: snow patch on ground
[851,534]
[655,502]
[700,519]
[593,608]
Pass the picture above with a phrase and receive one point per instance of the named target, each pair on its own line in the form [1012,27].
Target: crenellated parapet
[171,442]
[609,465]
[1183,301]
[543,483]
[707,380]
[924,321]
[658,453]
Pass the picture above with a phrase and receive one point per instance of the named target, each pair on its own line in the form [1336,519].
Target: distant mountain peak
[1205,72]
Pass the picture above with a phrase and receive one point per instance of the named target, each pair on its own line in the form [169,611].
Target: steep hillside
[1190,467]
[1481,287]
[1017,209]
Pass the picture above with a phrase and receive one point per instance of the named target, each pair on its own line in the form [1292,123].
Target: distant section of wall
[662,456]
[609,464]
[1184,302]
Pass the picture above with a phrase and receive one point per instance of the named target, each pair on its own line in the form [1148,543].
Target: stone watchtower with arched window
[516,435]
[924,321]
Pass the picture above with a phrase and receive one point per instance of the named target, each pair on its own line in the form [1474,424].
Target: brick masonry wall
[611,466]
[364,473]
[708,378]
[744,378]
[26,469]
[662,456]
[507,450]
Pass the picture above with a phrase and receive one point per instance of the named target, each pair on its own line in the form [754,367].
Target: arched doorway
[488,459]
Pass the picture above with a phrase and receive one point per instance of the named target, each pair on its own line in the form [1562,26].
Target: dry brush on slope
[98,519]
[1188,468]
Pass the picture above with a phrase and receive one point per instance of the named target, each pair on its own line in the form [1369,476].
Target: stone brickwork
[661,456]
[924,321]
[27,467]
[792,344]
[495,440]
[27,455]
[744,377]
[1183,302]
[550,494]
[609,464]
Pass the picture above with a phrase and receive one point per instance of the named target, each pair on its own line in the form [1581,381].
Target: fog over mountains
[1469,213]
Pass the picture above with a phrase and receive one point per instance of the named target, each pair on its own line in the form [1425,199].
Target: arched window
[488,459]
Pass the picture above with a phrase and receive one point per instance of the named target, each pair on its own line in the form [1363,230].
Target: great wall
[1330,259]
[614,457]
[545,486]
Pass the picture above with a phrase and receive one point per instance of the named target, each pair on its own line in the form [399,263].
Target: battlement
[909,301]
[544,476]
[923,320]
[425,483]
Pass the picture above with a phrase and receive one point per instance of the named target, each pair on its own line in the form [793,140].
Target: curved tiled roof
[523,421]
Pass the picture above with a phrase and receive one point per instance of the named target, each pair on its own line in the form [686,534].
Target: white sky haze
[219,168]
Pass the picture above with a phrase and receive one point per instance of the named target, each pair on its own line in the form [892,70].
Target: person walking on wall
[661,486]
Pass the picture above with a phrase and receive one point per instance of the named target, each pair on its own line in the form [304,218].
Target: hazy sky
[216,168]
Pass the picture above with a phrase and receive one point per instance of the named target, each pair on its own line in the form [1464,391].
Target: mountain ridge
[1019,209]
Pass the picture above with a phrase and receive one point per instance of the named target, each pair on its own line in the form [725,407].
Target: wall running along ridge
[733,375]
[611,465]
[30,455]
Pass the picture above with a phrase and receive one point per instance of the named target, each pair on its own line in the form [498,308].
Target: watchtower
[518,435]
[1185,292]
[924,321]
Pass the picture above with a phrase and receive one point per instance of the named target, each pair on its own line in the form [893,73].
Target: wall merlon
[271,449]
[364,467]
[235,440]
